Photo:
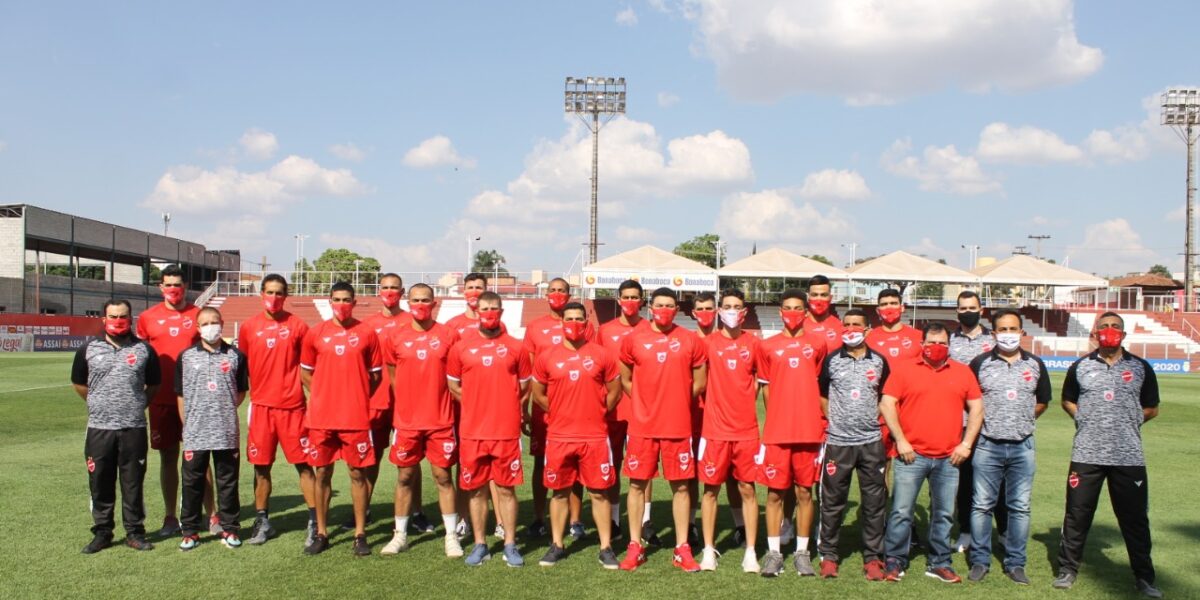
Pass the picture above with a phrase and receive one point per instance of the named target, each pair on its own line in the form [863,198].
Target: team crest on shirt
[435,343]
[212,386]
[793,362]
[1109,395]
[588,363]
[684,458]
[174,331]
[744,353]
[573,374]
[808,351]
[487,361]
[556,339]
[1011,394]
[661,356]
[829,333]
[871,374]
[131,359]
[91,465]
[855,394]
[422,353]
[187,455]
[447,447]
[501,350]
[284,332]
[907,343]
[515,466]
[1027,375]
[551,476]
[352,339]
[339,349]
[253,450]
[674,345]
[1127,376]
[731,363]
[894,351]
[225,366]
[831,468]
[187,323]
[1073,480]
[362,447]
[632,462]
[770,472]
[270,343]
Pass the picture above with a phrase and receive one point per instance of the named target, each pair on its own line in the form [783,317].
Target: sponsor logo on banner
[339,349]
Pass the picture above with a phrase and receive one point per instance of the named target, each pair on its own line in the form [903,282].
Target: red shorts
[587,462]
[481,461]
[642,456]
[268,427]
[381,427]
[437,445]
[617,431]
[537,432]
[166,430]
[781,465]
[353,447]
[719,459]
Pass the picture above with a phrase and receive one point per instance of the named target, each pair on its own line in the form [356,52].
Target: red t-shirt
[830,329]
[731,399]
[383,324]
[169,332]
[902,344]
[931,403]
[662,363]
[790,367]
[491,372]
[272,350]
[611,335]
[422,400]
[462,323]
[576,385]
[341,360]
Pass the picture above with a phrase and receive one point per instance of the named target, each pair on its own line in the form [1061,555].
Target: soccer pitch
[44,518]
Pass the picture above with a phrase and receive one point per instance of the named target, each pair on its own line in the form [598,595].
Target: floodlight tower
[595,97]
[1181,112]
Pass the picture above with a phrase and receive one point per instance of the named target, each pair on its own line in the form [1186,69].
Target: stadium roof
[777,262]
[1027,270]
[902,266]
[648,258]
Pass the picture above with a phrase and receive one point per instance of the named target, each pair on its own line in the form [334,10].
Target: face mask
[853,337]
[420,311]
[576,331]
[935,353]
[173,295]
[705,317]
[733,318]
[210,333]
[472,297]
[1109,338]
[390,298]
[490,319]
[664,317]
[792,319]
[116,327]
[630,307]
[889,314]
[557,300]
[818,306]
[969,319]
[342,310]
[273,304]
[1008,341]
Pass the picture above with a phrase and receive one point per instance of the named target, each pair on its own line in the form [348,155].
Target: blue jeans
[1012,463]
[907,480]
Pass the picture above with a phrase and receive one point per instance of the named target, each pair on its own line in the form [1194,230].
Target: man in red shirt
[729,439]
[788,365]
[272,342]
[170,328]
[611,336]
[663,370]
[489,375]
[474,284]
[416,356]
[821,319]
[341,368]
[893,338]
[923,401]
[576,383]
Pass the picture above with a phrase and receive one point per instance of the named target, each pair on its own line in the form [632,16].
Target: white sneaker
[453,548]
[964,542]
[462,530]
[499,531]
[709,560]
[398,544]
[750,561]
[787,534]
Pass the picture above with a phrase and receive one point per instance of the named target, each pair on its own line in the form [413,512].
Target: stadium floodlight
[594,97]
[1181,112]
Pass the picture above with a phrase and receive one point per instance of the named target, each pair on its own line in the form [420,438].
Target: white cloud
[348,151]
[192,189]
[773,216]
[391,257]
[636,234]
[258,144]
[939,169]
[999,142]
[872,52]
[437,151]
[1111,248]
[627,17]
[835,184]
[1124,143]
[1177,214]
[667,99]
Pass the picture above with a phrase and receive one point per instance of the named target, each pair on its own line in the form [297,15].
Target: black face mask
[969,319]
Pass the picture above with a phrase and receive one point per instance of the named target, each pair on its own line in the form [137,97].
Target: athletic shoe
[512,557]
[231,540]
[694,535]
[739,536]
[684,560]
[320,543]
[873,570]
[616,531]
[360,547]
[479,554]
[772,564]
[552,556]
[261,532]
[462,530]
[310,533]
[649,535]
[708,559]
[453,548]
[1017,575]
[829,569]
[787,534]
[1064,581]
[99,542]
[170,527]
[534,530]
[138,542]
[943,574]
[635,556]
[894,571]
[214,525]
[977,573]
[498,532]
[802,563]
[577,531]
[749,561]
[189,542]
[1147,589]
[964,543]
[608,559]
[418,523]
[398,543]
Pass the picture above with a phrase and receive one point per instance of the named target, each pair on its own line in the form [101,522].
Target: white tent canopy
[902,266]
[652,267]
[1027,270]
[777,262]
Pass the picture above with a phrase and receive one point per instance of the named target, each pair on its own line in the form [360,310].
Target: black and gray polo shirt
[853,387]
[1110,399]
[116,374]
[1011,391]
[209,383]
[964,349]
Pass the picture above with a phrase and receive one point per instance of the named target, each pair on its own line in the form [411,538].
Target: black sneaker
[739,537]
[552,556]
[1147,589]
[536,529]
[977,573]
[99,542]
[361,548]
[319,544]
[418,523]
[608,559]
[1017,575]
[138,542]
[649,535]
[1064,581]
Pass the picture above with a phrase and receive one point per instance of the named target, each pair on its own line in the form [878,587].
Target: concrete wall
[12,247]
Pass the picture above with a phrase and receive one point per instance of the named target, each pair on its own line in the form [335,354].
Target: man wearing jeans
[923,401]
[1016,390]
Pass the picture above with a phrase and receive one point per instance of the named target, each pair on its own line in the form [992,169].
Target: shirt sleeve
[373,355]
[1149,397]
[611,369]
[823,378]
[179,372]
[454,363]
[699,356]
[140,329]
[894,386]
[973,391]
[1042,393]
[527,344]
[627,351]
[1070,390]
[524,367]
[79,368]
[977,363]
[541,371]
[153,375]
[243,372]
[308,352]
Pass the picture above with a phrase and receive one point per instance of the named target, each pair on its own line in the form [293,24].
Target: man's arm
[962,452]
[891,416]
[455,387]
[306,375]
[537,393]
[82,390]
[1070,391]
[627,378]
[375,377]
[699,380]
[614,393]
[179,406]
[79,372]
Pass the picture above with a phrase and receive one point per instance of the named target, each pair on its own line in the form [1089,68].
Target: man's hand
[526,423]
[960,455]
[905,451]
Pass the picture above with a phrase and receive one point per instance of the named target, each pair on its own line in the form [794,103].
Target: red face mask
[472,297]
[630,307]
[273,304]
[576,331]
[664,317]
[792,319]
[421,311]
[705,317]
[490,319]
[173,295]
[342,310]
[557,300]
[1109,338]
[889,314]
[818,306]
[935,353]
[116,327]
[390,298]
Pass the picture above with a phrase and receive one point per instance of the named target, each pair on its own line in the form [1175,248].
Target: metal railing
[317,283]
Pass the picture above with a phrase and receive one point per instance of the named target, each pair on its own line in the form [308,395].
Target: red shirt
[931,403]
[731,400]
[576,385]
[790,367]
[902,344]
[383,324]
[611,335]
[491,372]
[830,329]
[423,401]
[169,332]
[662,363]
[272,349]
[341,360]
[462,323]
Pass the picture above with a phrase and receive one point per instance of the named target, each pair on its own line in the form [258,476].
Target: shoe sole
[544,563]
[485,558]
[513,565]
[390,552]
[609,567]
[939,578]
[769,574]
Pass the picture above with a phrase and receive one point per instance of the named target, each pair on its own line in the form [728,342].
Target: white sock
[738,519]
[801,544]
[615,510]
[401,524]
[646,514]
[773,543]
[450,522]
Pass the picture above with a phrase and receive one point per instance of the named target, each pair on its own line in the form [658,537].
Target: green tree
[1161,270]
[702,249]
[930,289]
[338,264]
[820,258]
[489,262]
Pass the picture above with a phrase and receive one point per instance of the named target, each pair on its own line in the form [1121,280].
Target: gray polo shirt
[1011,391]
[964,349]
[209,383]
[1110,399]
[853,387]
[116,377]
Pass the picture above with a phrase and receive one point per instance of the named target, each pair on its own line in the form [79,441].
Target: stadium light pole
[1181,112]
[594,97]
[853,246]
[471,239]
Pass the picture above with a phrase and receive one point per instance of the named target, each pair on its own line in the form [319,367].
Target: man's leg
[101,452]
[943,489]
[906,486]
[508,513]
[359,495]
[418,491]
[1129,491]
[1018,492]
[708,514]
[872,491]
[308,489]
[539,489]
[262,488]
[168,476]
[749,505]
[601,515]
[195,467]
[681,509]
[990,468]
[575,504]
[836,478]
[558,515]
[446,495]
[406,478]
[635,507]
[478,501]
[1084,482]
[226,468]
[964,503]
[322,483]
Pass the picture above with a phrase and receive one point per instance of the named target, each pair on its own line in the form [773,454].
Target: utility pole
[1037,252]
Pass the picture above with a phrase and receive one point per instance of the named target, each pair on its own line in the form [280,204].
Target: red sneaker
[944,574]
[874,570]
[684,560]
[828,569]
[893,572]
[635,556]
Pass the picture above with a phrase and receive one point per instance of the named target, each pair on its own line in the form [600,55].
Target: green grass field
[44,519]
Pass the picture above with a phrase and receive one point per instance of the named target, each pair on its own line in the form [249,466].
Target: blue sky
[398,129]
